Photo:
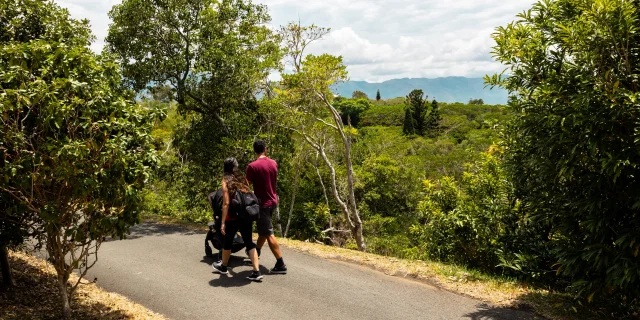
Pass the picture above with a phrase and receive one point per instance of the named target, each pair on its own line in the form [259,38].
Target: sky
[380,39]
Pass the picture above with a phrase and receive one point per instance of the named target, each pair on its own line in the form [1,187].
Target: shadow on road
[153,229]
[486,312]
[233,279]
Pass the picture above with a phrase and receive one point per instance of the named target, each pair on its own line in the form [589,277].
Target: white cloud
[97,13]
[379,39]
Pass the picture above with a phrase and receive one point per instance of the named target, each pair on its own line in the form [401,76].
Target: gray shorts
[265,226]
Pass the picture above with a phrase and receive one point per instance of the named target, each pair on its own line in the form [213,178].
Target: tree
[351,109]
[408,126]
[21,22]
[304,102]
[417,104]
[359,95]
[214,54]
[76,147]
[433,119]
[572,147]
[476,101]
[378,95]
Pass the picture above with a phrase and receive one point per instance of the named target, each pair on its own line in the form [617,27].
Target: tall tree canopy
[572,148]
[214,54]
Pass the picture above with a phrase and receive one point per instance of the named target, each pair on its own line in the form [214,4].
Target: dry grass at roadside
[36,296]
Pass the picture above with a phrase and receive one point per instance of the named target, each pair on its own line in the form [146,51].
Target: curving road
[163,268]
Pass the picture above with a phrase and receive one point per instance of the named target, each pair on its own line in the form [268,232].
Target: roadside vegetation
[36,296]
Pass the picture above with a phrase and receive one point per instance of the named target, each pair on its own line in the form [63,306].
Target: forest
[542,189]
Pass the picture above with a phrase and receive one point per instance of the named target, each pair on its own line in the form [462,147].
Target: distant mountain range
[449,89]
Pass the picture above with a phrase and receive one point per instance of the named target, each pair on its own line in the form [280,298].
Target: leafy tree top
[359,95]
[214,54]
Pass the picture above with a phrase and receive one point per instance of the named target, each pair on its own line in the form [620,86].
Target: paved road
[164,268]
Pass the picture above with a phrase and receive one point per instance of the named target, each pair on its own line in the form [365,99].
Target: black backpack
[247,205]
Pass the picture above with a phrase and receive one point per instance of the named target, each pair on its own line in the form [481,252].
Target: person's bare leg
[253,255]
[274,246]
[226,254]
[260,242]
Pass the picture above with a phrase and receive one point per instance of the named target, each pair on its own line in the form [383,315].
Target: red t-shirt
[263,174]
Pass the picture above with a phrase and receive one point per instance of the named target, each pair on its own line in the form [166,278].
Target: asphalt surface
[164,268]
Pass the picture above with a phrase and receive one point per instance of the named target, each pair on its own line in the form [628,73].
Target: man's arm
[249,175]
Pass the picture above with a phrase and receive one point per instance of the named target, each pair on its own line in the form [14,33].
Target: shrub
[477,222]
[383,116]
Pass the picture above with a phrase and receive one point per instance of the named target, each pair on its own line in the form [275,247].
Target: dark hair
[233,176]
[259,146]
[229,164]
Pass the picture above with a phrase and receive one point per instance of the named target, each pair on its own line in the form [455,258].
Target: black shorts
[265,226]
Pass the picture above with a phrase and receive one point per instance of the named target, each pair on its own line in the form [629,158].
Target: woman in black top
[234,180]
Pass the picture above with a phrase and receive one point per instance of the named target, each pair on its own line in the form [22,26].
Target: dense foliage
[383,115]
[572,149]
[476,220]
[75,146]
[351,110]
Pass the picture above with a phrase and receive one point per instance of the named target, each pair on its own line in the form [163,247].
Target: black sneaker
[219,268]
[255,276]
[282,269]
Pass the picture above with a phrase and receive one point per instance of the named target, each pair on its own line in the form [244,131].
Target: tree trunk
[296,182]
[334,187]
[357,229]
[351,198]
[62,288]
[326,198]
[324,189]
[7,277]
[278,224]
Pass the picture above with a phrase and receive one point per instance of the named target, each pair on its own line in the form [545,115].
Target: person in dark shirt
[232,181]
[263,174]
[214,235]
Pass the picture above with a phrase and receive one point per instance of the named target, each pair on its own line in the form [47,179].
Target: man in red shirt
[263,174]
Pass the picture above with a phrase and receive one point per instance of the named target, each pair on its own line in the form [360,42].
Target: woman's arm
[225,206]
